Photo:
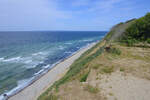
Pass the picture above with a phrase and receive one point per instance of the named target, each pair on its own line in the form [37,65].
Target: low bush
[139,30]
[108,69]
[115,51]
[148,40]
[122,69]
[84,77]
[96,66]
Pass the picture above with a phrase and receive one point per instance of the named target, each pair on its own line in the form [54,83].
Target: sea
[27,55]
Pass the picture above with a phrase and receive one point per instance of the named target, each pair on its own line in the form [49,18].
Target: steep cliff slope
[111,70]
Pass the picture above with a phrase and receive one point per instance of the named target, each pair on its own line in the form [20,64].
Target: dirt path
[125,87]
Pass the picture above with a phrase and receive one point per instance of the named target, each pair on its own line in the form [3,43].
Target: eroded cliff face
[118,30]
[109,71]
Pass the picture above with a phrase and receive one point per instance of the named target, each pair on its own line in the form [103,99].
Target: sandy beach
[34,90]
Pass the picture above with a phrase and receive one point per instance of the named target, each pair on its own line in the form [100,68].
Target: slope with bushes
[102,72]
[139,31]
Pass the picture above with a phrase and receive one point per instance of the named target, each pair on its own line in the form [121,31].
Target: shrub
[122,69]
[130,42]
[84,77]
[148,40]
[96,66]
[139,30]
[107,69]
[116,51]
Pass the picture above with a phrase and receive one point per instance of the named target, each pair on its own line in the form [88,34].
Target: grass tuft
[108,69]
[115,51]
[122,69]
[75,68]
[91,89]
[48,97]
[84,77]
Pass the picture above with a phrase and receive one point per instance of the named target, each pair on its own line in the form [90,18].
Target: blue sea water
[24,56]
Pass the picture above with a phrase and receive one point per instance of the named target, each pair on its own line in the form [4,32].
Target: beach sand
[38,87]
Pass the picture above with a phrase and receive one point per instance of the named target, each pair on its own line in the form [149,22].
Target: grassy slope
[76,67]
[99,61]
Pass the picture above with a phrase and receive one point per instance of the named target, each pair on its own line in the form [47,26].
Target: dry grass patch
[107,69]
[91,89]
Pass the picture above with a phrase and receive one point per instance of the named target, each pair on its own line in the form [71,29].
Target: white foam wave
[15,59]
[28,61]
[61,47]
[1,59]
[68,43]
[39,53]
[39,72]
[87,40]
[21,85]
[47,66]
[68,52]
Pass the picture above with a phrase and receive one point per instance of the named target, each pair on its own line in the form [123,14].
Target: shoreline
[45,80]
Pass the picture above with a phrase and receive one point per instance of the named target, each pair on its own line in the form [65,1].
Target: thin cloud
[104,5]
[68,14]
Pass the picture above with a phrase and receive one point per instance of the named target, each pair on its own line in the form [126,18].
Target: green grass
[138,31]
[148,40]
[107,69]
[96,66]
[122,69]
[50,97]
[109,35]
[84,77]
[75,68]
[91,89]
[115,51]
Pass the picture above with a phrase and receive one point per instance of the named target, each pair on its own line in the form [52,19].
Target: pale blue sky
[90,15]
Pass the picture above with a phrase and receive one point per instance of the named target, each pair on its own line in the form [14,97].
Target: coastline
[39,85]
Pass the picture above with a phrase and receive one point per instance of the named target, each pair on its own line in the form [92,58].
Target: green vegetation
[75,68]
[91,89]
[130,32]
[108,69]
[122,69]
[96,66]
[50,97]
[109,35]
[84,77]
[148,40]
[139,31]
[115,51]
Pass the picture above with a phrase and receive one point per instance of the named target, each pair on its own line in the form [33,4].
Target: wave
[61,47]
[39,53]
[15,59]
[30,61]
[68,43]
[1,59]
[26,82]
[68,52]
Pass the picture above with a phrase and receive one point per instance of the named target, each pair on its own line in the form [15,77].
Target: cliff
[111,70]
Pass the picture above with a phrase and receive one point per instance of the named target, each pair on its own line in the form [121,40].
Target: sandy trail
[34,90]
[120,87]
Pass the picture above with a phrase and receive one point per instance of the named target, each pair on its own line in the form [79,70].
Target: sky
[71,15]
